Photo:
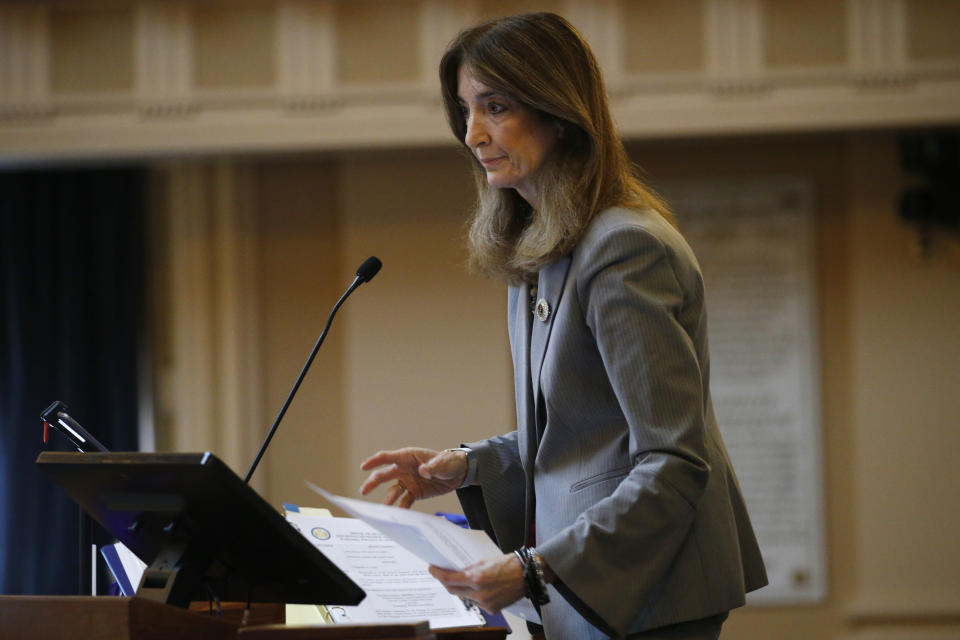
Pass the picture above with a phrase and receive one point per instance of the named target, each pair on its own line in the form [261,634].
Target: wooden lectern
[116,618]
[104,618]
[206,533]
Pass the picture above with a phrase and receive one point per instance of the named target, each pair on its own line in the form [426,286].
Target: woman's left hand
[493,583]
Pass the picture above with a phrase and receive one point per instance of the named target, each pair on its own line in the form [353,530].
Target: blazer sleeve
[643,311]
[496,502]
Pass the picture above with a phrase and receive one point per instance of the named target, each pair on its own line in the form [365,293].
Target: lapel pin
[543,310]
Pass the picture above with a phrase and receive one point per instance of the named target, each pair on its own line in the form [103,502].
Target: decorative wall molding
[238,339]
[877,42]
[211,373]
[307,108]
[889,606]
[733,38]
[306,45]
[164,59]
[440,21]
[186,376]
[24,62]
[599,22]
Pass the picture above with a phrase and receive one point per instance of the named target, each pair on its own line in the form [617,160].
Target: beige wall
[428,353]
[416,356]
[420,354]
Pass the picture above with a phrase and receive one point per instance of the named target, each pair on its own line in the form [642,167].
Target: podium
[104,618]
[205,534]
[116,618]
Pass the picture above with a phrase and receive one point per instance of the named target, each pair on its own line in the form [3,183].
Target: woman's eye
[496,107]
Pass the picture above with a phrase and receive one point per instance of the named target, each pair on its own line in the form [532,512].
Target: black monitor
[203,532]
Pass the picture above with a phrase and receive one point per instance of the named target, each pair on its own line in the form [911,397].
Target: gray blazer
[617,457]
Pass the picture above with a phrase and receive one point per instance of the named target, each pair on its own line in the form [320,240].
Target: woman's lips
[489,162]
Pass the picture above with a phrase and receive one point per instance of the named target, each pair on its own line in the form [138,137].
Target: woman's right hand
[419,473]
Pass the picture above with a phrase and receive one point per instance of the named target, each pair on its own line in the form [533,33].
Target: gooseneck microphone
[365,273]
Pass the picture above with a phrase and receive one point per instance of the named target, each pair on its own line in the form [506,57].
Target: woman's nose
[476,135]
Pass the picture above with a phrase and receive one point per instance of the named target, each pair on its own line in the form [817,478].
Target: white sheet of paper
[399,588]
[130,565]
[433,539]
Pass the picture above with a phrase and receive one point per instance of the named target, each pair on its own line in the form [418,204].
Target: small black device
[56,417]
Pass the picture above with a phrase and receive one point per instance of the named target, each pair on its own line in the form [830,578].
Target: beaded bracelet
[534,584]
[538,572]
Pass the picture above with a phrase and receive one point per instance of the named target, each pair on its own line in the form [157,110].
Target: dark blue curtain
[71,318]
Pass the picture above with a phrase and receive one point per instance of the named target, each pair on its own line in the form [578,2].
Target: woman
[614,500]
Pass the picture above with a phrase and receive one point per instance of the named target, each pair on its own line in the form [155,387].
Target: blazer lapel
[520,322]
[526,423]
[531,333]
[549,291]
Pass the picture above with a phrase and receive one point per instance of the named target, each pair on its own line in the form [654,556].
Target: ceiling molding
[306,108]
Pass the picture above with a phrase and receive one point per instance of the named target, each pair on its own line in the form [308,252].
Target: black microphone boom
[366,272]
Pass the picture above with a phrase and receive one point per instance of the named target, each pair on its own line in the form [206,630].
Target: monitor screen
[203,532]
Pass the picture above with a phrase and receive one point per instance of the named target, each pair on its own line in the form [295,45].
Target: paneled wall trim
[96,78]
[208,390]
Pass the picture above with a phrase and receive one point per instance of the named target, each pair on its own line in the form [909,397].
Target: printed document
[434,540]
[399,588]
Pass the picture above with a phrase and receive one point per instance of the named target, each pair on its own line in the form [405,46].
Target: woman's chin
[498,182]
